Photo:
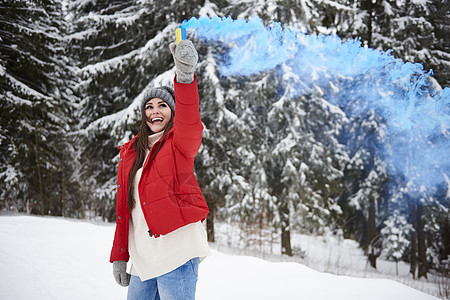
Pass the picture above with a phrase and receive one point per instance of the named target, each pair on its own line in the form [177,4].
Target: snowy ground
[327,253]
[54,258]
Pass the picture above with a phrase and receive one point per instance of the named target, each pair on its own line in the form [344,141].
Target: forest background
[72,74]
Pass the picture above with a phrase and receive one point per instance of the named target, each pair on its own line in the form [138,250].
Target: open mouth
[157,120]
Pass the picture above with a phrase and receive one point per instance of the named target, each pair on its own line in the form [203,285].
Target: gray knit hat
[164,92]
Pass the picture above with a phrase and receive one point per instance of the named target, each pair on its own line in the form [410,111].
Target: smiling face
[158,114]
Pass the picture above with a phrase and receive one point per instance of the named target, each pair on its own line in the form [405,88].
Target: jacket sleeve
[119,249]
[187,122]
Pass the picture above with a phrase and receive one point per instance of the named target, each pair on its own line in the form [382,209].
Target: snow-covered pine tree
[437,229]
[294,140]
[363,199]
[35,100]
[251,203]
[217,164]
[394,235]
[118,48]
[439,16]
[409,29]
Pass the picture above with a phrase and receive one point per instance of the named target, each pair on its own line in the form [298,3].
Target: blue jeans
[179,284]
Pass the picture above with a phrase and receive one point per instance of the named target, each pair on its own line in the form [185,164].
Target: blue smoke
[357,79]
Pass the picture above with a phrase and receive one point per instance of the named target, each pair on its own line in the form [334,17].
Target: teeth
[156,119]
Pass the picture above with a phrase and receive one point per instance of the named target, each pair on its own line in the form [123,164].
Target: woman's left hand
[186,57]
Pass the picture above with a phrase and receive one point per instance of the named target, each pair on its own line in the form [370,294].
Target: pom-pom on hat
[163,92]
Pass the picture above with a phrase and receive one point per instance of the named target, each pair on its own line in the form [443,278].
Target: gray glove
[120,272]
[185,57]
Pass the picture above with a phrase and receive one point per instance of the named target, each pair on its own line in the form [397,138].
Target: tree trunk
[28,208]
[285,230]
[82,206]
[413,267]
[421,246]
[210,224]
[38,168]
[286,241]
[372,235]
[446,235]
[63,188]
[369,22]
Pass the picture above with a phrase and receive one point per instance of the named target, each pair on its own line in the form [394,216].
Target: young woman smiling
[160,207]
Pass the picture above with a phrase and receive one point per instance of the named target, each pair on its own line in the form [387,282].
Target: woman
[159,203]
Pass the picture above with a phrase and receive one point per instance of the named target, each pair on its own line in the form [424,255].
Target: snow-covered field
[329,253]
[55,258]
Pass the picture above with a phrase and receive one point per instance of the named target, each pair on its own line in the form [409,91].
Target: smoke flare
[357,79]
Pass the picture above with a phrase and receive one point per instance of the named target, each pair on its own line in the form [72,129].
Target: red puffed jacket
[168,190]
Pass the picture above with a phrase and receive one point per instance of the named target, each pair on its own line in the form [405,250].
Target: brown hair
[140,145]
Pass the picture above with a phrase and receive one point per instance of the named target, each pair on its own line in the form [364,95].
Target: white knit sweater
[152,257]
